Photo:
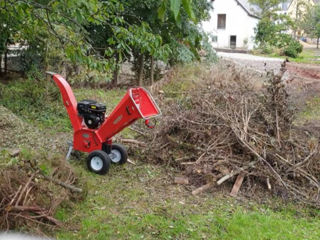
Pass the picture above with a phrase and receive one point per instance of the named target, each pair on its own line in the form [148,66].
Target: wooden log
[237,185]
[202,188]
[133,141]
[62,184]
[188,163]
[130,161]
[268,184]
[232,174]
[181,180]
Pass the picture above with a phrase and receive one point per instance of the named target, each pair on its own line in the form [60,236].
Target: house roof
[249,8]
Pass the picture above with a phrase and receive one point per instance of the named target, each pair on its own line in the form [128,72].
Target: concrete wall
[238,23]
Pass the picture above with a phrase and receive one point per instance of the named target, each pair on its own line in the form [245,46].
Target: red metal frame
[136,104]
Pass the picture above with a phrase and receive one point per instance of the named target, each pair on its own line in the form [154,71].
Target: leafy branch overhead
[101,34]
[175,8]
[311,23]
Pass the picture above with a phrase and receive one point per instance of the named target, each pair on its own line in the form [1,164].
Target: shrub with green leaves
[271,34]
[293,49]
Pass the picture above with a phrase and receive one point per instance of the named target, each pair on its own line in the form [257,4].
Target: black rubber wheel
[98,162]
[118,154]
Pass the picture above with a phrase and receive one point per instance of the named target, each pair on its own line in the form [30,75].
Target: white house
[232,24]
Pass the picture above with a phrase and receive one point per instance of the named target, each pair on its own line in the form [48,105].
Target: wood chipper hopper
[93,130]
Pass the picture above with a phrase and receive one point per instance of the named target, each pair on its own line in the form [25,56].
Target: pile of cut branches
[226,128]
[30,197]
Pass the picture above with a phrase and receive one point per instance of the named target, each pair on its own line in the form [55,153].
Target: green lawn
[311,112]
[308,55]
[141,201]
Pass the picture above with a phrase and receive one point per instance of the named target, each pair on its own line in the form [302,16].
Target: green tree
[175,22]
[271,33]
[57,25]
[266,6]
[311,23]
[158,30]
[101,34]
[272,30]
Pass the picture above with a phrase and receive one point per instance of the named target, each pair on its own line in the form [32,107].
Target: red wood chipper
[93,131]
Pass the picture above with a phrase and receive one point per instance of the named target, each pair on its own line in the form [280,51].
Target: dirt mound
[225,127]
[304,71]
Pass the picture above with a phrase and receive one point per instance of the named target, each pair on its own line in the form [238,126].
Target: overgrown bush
[267,49]
[282,40]
[293,49]
[270,35]
[182,54]
[210,55]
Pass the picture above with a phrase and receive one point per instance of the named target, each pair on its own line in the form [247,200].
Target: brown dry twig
[226,125]
[28,199]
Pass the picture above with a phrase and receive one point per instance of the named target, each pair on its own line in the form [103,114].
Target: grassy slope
[141,202]
[307,56]
[311,112]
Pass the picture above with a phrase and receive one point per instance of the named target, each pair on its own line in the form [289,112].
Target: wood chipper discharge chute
[93,130]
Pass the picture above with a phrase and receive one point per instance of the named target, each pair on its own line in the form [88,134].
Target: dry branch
[228,176]
[237,185]
[28,200]
[202,188]
[226,126]
[133,141]
[62,184]
[181,180]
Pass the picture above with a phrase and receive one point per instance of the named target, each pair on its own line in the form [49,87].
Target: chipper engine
[93,130]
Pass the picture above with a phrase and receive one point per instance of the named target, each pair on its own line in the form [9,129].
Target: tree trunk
[46,60]
[115,79]
[64,72]
[5,62]
[318,42]
[140,71]
[152,70]
[0,64]
[6,58]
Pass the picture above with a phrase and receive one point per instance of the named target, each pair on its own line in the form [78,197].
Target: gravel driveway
[304,73]
[256,63]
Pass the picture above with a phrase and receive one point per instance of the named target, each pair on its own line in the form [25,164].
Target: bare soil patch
[304,71]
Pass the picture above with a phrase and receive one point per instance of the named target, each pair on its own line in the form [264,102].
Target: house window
[214,38]
[222,21]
